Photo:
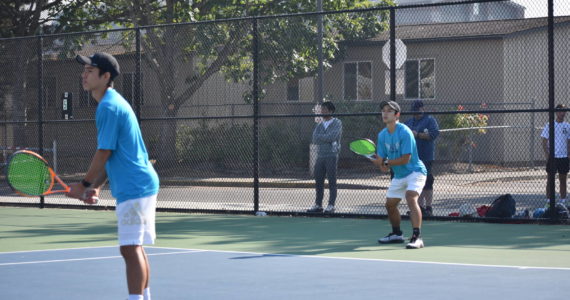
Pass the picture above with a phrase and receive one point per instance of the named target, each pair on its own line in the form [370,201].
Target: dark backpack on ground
[502,207]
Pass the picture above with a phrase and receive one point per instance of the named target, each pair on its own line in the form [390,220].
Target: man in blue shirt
[396,151]
[121,155]
[425,130]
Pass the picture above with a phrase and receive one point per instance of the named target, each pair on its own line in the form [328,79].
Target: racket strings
[363,147]
[29,175]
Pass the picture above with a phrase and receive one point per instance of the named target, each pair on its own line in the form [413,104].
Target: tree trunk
[167,156]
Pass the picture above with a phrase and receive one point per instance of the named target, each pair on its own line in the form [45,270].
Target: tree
[287,45]
[18,57]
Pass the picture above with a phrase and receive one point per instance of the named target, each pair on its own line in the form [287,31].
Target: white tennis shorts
[413,182]
[135,221]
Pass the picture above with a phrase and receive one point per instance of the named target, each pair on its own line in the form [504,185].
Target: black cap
[104,61]
[395,106]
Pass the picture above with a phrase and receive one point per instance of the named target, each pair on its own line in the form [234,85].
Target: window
[301,89]
[293,90]
[50,91]
[420,79]
[358,81]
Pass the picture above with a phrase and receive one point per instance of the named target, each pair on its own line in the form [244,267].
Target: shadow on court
[449,242]
[479,243]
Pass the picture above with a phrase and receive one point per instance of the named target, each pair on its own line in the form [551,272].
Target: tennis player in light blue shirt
[121,157]
[130,173]
[396,150]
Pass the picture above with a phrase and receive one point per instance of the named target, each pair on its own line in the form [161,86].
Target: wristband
[85,183]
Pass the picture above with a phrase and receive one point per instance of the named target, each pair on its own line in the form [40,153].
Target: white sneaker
[315,209]
[329,209]
[416,242]
[392,238]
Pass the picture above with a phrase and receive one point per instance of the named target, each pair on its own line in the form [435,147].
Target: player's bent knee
[412,196]
[392,203]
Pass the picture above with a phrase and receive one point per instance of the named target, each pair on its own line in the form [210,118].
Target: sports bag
[502,207]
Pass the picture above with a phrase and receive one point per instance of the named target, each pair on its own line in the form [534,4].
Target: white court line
[381,260]
[60,249]
[92,258]
[186,251]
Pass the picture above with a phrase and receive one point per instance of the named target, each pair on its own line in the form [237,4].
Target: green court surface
[24,229]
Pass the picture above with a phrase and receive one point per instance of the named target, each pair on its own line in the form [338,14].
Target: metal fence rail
[226,106]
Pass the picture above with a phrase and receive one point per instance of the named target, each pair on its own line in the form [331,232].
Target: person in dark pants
[326,137]
[560,164]
[425,130]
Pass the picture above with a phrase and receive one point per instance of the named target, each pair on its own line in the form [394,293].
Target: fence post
[255,118]
[470,152]
[551,101]
[40,103]
[320,81]
[532,136]
[54,154]
[137,87]
[392,54]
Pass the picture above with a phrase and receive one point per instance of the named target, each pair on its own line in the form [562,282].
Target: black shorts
[560,165]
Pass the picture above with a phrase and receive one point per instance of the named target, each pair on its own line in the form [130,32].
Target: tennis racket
[29,174]
[364,147]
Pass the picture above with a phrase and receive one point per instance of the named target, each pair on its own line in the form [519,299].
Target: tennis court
[70,254]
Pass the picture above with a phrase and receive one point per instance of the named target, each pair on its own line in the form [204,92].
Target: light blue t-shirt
[130,173]
[397,144]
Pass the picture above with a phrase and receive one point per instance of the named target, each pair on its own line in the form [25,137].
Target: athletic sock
[416,232]
[146,293]
[136,297]
[396,230]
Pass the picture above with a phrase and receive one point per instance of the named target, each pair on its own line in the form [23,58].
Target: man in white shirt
[561,162]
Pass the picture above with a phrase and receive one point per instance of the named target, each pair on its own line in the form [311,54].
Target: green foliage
[282,147]
[455,141]
[231,146]
[221,145]
[355,127]
[287,44]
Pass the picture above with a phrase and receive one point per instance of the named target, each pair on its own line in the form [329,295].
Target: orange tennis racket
[29,174]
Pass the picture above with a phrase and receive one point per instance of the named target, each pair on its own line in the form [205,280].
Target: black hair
[110,83]
[329,105]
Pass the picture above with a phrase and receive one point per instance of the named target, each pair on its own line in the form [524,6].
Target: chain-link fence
[226,107]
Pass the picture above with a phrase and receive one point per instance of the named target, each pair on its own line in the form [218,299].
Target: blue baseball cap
[417,104]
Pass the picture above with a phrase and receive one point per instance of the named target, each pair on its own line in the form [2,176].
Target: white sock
[135,297]
[146,293]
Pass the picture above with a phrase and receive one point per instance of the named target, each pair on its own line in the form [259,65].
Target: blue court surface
[98,273]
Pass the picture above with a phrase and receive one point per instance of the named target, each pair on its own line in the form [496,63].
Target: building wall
[526,80]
